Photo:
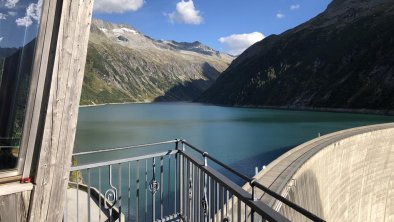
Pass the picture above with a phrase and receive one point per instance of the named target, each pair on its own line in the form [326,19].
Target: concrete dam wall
[343,176]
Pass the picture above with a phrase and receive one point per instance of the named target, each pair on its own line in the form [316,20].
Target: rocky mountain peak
[195,46]
[128,36]
[98,24]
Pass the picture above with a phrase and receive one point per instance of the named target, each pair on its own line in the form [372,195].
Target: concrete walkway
[77,208]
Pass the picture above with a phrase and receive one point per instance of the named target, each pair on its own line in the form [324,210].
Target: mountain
[15,74]
[124,65]
[5,52]
[342,58]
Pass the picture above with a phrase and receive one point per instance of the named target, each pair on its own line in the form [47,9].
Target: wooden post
[54,156]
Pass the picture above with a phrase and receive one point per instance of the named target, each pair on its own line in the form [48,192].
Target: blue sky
[216,23]
[225,25]
[18,21]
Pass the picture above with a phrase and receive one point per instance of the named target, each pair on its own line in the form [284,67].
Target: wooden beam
[43,63]
[12,188]
[14,207]
[54,160]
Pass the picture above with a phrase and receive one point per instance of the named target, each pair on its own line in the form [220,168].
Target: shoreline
[290,108]
[126,103]
[103,104]
[324,109]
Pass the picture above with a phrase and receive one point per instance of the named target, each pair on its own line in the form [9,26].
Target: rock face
[342,58]
[123,65]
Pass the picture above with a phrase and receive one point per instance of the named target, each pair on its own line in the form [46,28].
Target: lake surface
[241,137]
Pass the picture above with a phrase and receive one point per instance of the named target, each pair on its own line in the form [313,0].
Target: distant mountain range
[342,58]
[5,52]
[124,65]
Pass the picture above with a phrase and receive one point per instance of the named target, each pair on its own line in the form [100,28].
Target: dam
[343,176]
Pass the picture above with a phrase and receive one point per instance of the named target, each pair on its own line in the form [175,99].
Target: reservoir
[240,137]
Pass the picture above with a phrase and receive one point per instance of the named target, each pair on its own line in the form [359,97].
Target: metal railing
[168,185]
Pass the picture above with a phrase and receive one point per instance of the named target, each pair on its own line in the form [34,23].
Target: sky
[19,21]
[225,25]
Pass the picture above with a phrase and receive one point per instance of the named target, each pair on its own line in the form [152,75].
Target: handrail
[125,147]
[119,161]
[9,147]
[282,199]
[257,206]
[205,154]
[253,183]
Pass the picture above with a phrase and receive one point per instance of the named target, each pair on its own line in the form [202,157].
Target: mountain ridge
[339,59]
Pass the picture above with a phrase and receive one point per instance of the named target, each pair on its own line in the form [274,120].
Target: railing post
[254,198]
[181,210]
[88,194]
[205,154]
[153,189]
[205,198]
[176,177]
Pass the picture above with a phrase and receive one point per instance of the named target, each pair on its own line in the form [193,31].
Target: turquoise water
[241,137]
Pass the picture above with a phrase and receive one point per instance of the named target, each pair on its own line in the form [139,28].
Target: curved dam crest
[343,176]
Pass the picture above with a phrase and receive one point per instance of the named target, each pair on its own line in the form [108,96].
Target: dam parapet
[343,176]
